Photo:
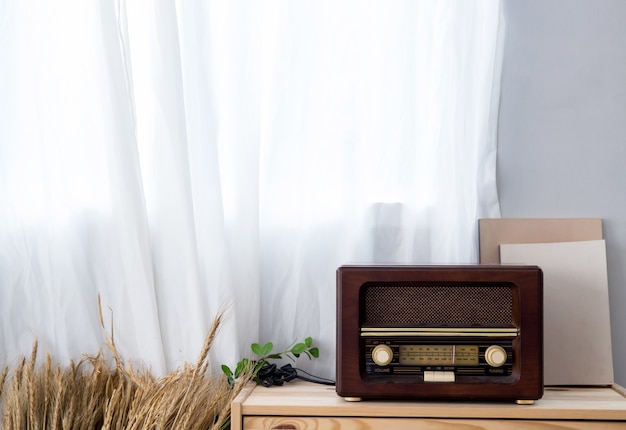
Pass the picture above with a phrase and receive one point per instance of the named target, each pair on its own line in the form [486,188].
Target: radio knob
[382,355]
[495,356]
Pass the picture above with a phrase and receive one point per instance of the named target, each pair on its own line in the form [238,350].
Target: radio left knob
[382,355]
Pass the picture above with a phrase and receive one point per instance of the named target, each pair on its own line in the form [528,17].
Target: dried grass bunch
[93,394]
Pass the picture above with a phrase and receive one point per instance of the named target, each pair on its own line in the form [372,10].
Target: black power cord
[270,374]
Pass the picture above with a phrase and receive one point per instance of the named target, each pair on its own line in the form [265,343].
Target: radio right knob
[382,355]
[495,356]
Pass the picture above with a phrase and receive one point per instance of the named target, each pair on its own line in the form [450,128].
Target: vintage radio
[470,332]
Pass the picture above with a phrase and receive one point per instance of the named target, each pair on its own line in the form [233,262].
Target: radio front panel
[491,358]
[440,332]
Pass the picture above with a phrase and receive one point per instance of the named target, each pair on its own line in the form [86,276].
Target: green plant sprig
[249,368]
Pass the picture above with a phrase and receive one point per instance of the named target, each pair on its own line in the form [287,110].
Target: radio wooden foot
[525,402]
[353,399]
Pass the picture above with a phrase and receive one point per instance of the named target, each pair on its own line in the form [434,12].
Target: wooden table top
[307,399]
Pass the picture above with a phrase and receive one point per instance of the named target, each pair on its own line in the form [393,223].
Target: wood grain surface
[302,405]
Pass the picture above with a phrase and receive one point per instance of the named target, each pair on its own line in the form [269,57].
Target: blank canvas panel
[577,332]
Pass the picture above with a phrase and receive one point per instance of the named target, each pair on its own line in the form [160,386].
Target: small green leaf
[242,366]
[262,350]
[259,365]
[298,349]
[238,369]
[227,371]
[308,341]
[257,349]
[315,352]
[267,348]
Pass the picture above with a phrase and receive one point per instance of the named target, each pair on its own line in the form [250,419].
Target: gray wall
[562,126]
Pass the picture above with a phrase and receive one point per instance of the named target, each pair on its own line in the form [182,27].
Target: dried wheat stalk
[92,394]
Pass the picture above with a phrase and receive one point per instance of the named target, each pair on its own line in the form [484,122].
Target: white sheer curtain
[181,157]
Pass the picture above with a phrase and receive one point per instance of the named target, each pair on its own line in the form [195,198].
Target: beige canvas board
[577,331]
[495,231]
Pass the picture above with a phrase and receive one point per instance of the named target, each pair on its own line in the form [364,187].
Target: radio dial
[382,355]
[495,356]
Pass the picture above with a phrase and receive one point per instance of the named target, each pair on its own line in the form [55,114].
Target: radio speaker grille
[427,303]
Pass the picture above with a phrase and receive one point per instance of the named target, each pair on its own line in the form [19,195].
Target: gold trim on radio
[437,331]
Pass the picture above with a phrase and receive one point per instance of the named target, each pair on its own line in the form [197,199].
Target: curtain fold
[73,216]
[180,158]
[377,147]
